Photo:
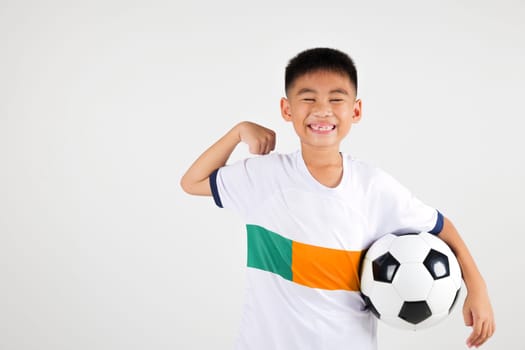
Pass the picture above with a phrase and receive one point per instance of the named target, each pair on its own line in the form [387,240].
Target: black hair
[316,59]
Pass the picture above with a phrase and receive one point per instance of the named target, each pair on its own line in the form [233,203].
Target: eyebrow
[305,91]
[339,91]
[309,90]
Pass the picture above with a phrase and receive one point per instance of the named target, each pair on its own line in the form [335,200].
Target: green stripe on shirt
[269,251]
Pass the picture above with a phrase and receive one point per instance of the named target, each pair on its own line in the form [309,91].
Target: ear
[285,109]
[357,111]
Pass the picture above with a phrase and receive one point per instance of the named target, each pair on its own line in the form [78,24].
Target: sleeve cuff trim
[214,189]
[439,224]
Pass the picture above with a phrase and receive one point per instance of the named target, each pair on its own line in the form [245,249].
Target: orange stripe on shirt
[325,268]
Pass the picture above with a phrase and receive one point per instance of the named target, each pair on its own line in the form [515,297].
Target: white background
[105,104]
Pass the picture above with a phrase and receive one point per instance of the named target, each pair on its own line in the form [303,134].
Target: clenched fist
[260,140]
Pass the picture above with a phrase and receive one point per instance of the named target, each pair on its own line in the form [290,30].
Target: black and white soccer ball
[410,281]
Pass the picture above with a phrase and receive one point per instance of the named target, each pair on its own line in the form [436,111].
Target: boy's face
[322,106]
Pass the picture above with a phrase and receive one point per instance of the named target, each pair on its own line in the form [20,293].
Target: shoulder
[370,176]
[260,167]
[364,170]
[270,162]
[273,158]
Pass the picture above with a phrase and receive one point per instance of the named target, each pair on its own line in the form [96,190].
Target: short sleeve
[394,209]
[241,185]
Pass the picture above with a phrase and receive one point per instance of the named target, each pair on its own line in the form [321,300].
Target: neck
[321,157]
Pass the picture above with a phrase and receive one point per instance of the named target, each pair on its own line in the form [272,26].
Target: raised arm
[477,310]
[259,139]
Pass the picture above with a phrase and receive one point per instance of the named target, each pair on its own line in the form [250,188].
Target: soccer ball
[410,281]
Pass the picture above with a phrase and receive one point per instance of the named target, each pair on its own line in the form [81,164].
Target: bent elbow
[199,188]
[185,185]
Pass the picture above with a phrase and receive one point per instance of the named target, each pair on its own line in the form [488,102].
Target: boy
[312,213]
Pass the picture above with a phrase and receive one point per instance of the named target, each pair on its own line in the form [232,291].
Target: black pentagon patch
[454,301]
[437,264]
[415,311]
[370,306]
[384,268]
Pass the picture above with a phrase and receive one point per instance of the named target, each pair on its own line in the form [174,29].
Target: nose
[322,109]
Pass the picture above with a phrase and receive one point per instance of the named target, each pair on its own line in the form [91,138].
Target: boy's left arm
[477,310]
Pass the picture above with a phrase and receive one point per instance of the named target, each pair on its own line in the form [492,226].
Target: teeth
[322,127]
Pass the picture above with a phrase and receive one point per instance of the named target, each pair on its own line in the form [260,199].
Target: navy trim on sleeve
[214,190]
[439,224]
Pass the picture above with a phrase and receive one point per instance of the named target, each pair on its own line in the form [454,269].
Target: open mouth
[321,127]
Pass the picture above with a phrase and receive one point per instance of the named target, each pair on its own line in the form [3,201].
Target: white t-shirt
[305,241]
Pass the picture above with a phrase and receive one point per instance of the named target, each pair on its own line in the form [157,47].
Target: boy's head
[320,59]
[321,87]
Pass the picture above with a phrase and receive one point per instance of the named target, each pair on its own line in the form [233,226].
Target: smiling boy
[310,214]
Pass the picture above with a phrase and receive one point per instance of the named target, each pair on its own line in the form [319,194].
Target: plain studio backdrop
[105,104]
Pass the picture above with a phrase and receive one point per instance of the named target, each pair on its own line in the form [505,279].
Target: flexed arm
[259,139]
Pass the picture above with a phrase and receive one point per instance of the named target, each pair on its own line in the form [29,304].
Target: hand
[477,313]
[260,140]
